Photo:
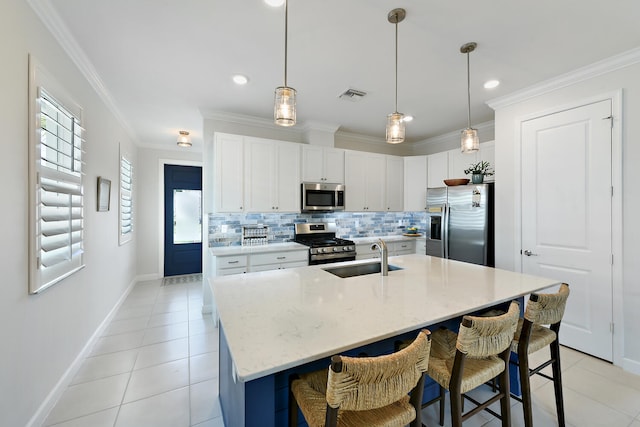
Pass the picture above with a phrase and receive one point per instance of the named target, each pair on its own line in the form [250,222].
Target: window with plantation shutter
[126,201]
[57,196]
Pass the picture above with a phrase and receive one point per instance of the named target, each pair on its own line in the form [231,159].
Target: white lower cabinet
[403,247]
[278,260]
[233,264]
[421,246]
[364,251]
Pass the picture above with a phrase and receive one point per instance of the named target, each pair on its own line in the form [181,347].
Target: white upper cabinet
[452,163]
[322,164]
[459,161]
[395,184]
[437,169]
[288,177]
[365,181]
[488,154]
[228,156]
[415,183]
[271,176]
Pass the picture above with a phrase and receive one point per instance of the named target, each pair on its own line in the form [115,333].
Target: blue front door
[182,220]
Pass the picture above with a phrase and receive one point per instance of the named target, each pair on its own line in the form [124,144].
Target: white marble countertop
[275,320]
[246,250]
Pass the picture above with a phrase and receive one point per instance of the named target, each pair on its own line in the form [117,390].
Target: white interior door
[566,217]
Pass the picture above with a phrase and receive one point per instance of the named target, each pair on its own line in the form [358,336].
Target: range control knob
[346,248]
[336,249]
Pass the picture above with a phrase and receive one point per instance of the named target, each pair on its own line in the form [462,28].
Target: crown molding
[447,137]
[605,66]
[51,20]
[242,119]
[364,139]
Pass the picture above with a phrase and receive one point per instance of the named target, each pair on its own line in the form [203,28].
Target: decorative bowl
[456,181]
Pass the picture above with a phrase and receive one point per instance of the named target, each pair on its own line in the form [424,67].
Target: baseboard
[52,398]
[632,366]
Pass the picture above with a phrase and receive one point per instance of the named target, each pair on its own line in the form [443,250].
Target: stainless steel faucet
[384,255]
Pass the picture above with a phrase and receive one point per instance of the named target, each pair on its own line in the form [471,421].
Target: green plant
[482,168]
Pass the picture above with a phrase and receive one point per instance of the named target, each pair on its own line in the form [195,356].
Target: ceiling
[163,63]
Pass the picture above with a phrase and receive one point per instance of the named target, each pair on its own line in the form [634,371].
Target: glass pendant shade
[284,112]
[470,141]
[395,128]
[183,139]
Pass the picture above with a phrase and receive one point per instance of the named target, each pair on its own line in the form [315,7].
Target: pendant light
[469,142]
[284,111]
[184,140]
[395,120]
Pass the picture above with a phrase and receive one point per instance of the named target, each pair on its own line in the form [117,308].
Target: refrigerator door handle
[445,230]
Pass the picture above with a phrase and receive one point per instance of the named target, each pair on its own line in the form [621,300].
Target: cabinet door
[395,184]
[259,170]
[415,183]
[487,153]
[459,161]
[334,165]
[355,172]
[287,188]
[313,163]
[228,174]
[375,169]
[437,169]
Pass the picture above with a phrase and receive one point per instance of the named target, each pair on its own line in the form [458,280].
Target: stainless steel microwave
[322,197]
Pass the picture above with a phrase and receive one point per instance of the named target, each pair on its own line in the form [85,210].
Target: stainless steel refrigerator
[460,223]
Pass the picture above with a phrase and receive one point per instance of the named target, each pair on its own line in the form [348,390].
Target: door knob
[529,253]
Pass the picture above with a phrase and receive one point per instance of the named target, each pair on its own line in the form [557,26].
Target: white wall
[149,205]
[506,126]
[41,335]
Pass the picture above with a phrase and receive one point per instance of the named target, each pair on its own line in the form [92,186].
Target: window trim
[40,277]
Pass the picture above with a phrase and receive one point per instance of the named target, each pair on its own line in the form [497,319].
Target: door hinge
[612,191]
[611,327]
[610,118]
[611,259]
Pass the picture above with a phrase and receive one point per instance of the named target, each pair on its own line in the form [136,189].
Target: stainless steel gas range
[324,246]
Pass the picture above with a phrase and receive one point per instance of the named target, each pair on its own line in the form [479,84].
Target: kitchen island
[275,323]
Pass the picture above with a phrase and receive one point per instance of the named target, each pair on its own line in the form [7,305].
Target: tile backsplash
[226,229]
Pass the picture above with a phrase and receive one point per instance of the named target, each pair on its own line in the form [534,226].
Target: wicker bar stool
[364,391]
[531,336]
[478,353]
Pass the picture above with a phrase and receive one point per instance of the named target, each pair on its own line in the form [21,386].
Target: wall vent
[352,95]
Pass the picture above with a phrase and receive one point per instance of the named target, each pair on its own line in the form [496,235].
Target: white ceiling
[164,62]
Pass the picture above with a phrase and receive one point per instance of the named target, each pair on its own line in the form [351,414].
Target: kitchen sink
[358,269]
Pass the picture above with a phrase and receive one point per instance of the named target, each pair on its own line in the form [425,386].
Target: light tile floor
[157,365]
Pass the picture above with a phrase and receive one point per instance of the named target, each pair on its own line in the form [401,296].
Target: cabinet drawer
[408,247]
[230,262]
[231,271]
[295,264]
[278,257]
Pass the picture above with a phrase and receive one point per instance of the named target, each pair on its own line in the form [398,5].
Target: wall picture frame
[104,194]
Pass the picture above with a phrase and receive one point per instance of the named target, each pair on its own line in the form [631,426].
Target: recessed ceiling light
[274,3]
[490,84]
[239,79]
[407,118]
